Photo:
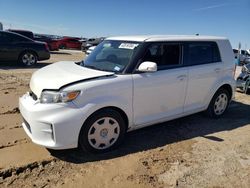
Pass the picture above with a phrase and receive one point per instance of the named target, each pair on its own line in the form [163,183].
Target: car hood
[60,74]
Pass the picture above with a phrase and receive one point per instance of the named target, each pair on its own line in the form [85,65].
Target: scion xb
[127,83]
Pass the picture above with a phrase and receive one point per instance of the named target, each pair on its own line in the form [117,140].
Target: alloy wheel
[28,59]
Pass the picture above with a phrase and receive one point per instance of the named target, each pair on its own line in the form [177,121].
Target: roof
[19,30]
[155,38]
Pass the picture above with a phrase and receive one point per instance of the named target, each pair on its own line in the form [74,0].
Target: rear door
[205,69]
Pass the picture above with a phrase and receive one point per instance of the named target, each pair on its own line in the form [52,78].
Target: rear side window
[11,37]
[17,38]
[202,53]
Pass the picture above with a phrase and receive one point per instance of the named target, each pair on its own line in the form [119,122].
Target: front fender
[98,103]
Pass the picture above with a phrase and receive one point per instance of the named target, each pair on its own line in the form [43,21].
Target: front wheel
[102,132]
[218,104]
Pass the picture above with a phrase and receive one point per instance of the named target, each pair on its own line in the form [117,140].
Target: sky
[95,18]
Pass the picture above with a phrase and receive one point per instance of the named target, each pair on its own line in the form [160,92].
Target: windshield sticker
[130,46]
[106,45]
[117,68]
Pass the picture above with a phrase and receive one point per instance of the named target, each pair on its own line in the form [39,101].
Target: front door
[160,95]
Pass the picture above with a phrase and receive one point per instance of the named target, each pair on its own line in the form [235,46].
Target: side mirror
[147,66]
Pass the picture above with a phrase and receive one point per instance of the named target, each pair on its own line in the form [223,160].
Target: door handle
[181,77]
[217,70]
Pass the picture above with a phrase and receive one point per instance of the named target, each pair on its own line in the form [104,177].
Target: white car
[127,83]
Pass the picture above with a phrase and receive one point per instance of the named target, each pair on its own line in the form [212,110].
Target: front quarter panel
[114,91]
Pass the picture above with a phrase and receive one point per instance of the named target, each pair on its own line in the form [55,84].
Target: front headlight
[58,97]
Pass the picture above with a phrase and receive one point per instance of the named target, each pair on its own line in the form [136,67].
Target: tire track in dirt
[13,111]
[15,142]
[22,154]
[21,169]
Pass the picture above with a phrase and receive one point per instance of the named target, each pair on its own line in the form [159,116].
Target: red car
[68,42]
[52,43]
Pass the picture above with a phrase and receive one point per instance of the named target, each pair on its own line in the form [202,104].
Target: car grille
[27,125]
[33,95]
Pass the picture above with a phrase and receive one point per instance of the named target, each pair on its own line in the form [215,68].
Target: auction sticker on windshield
[130,46]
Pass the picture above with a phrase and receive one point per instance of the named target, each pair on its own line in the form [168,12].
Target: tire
[219,104]
[103,131]
[28,58]
[246,88]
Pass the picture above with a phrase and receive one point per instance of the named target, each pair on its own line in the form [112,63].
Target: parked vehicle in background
[246,61]
[69,43]
[91,42]
[90,49]
[127,83]
[25,33]
[15,47]
[82,40]
[52,43]
[243,80]
[235,53]
[243,54]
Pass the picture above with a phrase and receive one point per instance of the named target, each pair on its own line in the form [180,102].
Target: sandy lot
[194,151]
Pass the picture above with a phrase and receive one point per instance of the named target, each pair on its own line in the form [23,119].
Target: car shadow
[163,134]
[15,65]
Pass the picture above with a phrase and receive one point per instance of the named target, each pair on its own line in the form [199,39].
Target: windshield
[112,56]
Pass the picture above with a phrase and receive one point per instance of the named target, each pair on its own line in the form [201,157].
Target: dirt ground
[193,151]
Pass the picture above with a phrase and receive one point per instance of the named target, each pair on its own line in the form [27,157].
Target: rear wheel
[102,132]
[218,104]
[28,58]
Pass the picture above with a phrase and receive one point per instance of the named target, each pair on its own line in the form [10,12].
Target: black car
[243,80]
[15,47]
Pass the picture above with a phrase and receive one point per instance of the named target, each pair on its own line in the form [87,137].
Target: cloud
[211,7]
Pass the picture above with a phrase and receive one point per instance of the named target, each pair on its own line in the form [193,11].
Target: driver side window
[165,55]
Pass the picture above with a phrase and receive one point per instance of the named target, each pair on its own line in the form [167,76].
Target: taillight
[47,46]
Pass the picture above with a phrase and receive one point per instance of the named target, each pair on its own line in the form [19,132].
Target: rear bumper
[43,55]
